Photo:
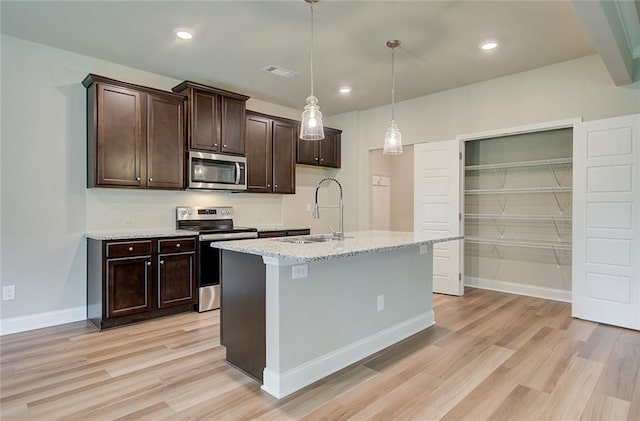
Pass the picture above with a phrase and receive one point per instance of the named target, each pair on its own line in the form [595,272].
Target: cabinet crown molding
[194,85]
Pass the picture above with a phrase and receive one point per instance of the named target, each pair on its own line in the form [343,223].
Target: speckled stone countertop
[128,235]
[355,243]
[266,228]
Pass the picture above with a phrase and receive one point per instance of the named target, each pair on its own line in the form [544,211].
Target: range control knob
[183,212]
[190,211]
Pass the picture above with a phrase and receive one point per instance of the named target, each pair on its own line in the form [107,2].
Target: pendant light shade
[393,137]
[311,127]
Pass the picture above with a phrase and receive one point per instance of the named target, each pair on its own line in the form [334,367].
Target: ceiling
[234,40]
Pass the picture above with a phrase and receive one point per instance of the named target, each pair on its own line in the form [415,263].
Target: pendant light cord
[311,61]
[393,82]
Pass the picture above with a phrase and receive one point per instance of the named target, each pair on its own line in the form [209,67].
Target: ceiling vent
[279,71]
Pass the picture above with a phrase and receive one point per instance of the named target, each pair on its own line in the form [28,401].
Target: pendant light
[311,127]
[393,137]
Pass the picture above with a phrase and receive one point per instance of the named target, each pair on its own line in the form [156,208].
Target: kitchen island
[296,309]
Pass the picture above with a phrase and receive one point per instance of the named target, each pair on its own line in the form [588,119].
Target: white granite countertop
[355,243]
[128,235]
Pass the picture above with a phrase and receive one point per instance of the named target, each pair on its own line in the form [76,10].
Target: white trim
[531,128]
[40,320]
[283,384]
[520,289]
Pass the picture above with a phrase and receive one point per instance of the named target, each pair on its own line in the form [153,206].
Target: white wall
[576,88]
[400,169]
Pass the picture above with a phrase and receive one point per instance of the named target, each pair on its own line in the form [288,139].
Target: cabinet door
[285,135]
[233,114]
[259,154]
[330,148]
[165,142]
[128,286]
[119,137]
[307,152]
[205,122]
[176,279]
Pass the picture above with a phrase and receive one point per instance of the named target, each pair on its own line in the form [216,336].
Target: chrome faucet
[316,209]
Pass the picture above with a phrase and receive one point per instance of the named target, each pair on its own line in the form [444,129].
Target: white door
[437,201]
[381,198]
[606,221]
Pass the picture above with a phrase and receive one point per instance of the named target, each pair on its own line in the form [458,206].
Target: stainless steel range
[212,224]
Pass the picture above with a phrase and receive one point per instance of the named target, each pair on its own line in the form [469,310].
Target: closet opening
[517,213]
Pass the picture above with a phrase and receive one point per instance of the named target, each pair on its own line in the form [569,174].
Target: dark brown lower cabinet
[242,312]
[128,289]
[131,280]
[176,279]
[242,308]
[284,233]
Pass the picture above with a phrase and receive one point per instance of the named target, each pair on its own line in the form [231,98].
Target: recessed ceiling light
[184,34]
[488,45]
[345,89]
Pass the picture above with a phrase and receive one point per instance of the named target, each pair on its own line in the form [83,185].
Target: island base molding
[292,380]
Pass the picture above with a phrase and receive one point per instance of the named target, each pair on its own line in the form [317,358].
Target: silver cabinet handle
[215,144]
[322,159]
[137,178]
[150,179]
[178,245]
[268,185]
[315,159]
[275,185]
[148,263]
[130,248]
[162,262]
[224,146]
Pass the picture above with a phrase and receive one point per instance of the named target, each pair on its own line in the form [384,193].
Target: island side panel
[242,314]
[330,319]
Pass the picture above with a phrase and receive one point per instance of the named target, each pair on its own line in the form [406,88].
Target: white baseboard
[40,320]
[283,384]
[520,289]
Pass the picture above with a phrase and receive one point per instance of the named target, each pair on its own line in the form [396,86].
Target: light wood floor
[490,356]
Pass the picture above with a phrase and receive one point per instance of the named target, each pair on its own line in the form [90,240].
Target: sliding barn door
[606,221]
[437,209]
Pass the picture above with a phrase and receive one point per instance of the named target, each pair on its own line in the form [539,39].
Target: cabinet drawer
[128,248]
[272,234]
[175,245]
[292,233]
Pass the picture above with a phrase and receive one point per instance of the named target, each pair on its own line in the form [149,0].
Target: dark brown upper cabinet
[216,118]
[135,135]
[324,153]
[271,151]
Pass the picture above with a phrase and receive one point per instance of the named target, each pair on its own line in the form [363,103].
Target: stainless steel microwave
[217,172]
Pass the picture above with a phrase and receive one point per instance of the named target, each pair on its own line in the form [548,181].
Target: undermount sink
[311,239]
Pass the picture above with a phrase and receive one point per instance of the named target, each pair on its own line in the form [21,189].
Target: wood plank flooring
[491,356]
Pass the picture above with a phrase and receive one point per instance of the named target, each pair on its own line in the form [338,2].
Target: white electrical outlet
[299,271]
[9,292]
[380,302]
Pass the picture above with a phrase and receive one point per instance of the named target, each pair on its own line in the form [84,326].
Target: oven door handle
[237,173]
